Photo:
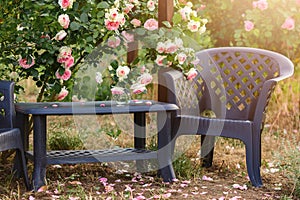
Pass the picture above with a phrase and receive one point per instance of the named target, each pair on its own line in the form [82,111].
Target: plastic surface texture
[10,137]
[233,86]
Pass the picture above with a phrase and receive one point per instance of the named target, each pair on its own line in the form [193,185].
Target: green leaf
[84,18]
[75,26]
[167,24]
[103,5]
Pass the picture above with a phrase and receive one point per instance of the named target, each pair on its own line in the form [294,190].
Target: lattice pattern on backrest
[5,105]
[241,74]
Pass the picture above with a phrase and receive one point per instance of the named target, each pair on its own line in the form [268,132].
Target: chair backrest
[7,109]
[230,81]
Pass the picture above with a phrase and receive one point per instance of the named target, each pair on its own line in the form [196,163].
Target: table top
[93,107]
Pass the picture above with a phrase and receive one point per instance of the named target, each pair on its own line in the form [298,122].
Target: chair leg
[257,158]
[207,150]
[250,163]
[21,160]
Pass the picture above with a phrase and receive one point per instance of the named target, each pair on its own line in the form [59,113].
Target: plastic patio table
[41,157]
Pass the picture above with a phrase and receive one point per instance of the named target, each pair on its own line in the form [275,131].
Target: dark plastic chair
[10,138]
[236,84]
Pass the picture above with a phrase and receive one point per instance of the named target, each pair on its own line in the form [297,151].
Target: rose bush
[267,24]
[49,41]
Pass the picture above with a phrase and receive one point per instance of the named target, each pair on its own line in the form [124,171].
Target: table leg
[140,137]
[39,151]
[165,146]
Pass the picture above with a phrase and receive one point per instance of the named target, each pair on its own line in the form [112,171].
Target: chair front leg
[207,150]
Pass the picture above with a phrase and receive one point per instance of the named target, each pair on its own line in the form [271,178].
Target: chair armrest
[262,103]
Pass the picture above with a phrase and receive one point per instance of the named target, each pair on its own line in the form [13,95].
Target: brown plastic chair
[236,84]
[10,138]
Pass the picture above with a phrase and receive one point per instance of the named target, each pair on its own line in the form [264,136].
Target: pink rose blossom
[128,8]
[192,73]
[64,54]
[122,72]
[65,4]
[298,2]
[193,26]
[128,37]
[23,63]
[60,35]
[170,47]
[288,24]
[69,62]
[136,22]
[143,69]
[260,4]
[138,88]
[117,90]
[113,42]
[111,25]
[248,25]
[181,57]
[64,20]
[66,76]
[151,5]
[145,78]
[151,24]
[159,60]
[160,47]
[62,94]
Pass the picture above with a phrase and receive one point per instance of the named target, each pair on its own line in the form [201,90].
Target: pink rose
[69,62]
[117,90]
[181,57]
[66,75]
[192,73]
[128,8]
[193,26]
[23,62]
[64,20]
[248,25]
[160,48]
[122,72]
[159,60]
[260,4]
[62,94]
[113,42]
[143,69]
[151,5]
[64,54]
[298,2]
[111,25]
[128,37]
[170,47]
[145,79]
[136,22]
[138,88]
[60,35]
[288,24]
[65,4]
[151,24]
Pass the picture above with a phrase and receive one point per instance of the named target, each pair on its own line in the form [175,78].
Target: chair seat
[212,126]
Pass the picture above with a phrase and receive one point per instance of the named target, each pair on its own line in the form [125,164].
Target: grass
[280,160]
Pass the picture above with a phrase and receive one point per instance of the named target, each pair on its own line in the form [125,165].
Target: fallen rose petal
[206,178]
[186,182]
[167,195]
[42,189]
[235,198]
[31,198]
